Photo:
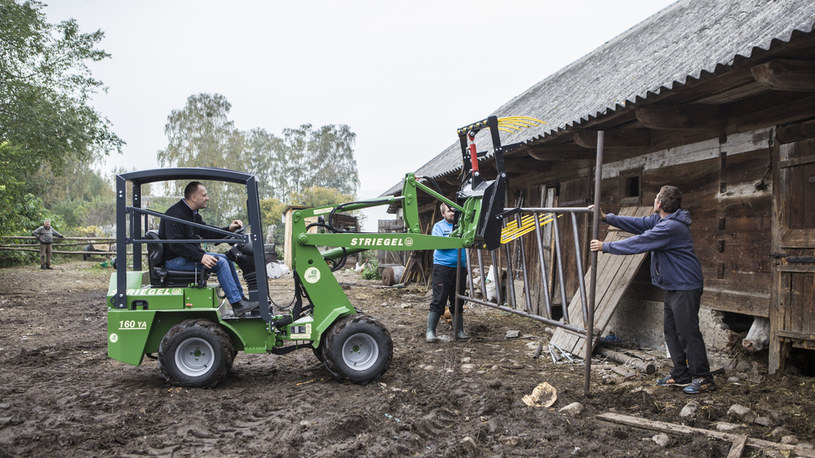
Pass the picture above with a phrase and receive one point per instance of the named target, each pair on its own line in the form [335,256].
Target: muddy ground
[62,396]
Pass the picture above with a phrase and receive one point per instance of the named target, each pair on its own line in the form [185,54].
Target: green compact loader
[182,317]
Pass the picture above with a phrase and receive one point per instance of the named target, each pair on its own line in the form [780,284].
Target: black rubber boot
[458,326]
[432,322]
[241,307]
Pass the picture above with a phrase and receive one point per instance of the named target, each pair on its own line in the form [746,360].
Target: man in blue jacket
[675,269]
[444,278]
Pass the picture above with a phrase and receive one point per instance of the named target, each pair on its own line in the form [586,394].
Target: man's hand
[596,245]
[235,225]
[209,261]
[602,215]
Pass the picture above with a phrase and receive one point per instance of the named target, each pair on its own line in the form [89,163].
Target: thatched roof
[687,41]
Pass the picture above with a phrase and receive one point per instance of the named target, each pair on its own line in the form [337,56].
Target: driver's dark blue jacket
[169,230]
[674,265]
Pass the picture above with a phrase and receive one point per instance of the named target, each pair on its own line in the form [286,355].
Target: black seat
[159,276]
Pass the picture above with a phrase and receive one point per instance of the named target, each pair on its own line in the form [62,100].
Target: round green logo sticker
[311,275]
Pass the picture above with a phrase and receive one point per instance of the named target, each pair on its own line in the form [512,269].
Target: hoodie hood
[680,215]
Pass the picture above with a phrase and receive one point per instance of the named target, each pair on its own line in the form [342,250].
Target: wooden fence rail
[80,242]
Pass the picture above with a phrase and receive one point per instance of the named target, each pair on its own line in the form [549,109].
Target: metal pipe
[595,234]
[496,265]
[527,297]
[510,276]
[556,233]
[469,269]
[457,303]
[481,272]
[559,324]
[542,262]
[579,261]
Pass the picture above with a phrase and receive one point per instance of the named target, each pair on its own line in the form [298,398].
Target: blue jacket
[446,257]
[674,265]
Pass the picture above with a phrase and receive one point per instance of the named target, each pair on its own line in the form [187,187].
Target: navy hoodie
[674,265]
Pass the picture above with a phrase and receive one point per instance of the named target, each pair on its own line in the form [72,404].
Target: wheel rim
[360,352]
[194,357]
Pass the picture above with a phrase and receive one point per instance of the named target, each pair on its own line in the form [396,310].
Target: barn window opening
[632,186]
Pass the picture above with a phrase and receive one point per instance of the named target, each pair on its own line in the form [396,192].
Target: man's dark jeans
[683,337]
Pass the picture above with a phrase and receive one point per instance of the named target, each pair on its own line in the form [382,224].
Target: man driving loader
[190,256]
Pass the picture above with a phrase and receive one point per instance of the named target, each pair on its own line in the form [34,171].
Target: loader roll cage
[131,220]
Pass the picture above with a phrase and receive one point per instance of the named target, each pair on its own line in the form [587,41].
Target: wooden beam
[702,117]
[564,152]
[524,164]
[616,138]
[786,75]
[796,132]
[762,115]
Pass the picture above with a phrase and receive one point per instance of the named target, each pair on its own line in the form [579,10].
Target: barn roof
[686,41]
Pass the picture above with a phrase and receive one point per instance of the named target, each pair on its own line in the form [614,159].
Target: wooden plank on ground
[682,429]
[614,275]
[737,449]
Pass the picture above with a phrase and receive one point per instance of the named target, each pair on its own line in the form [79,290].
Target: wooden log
[682,429]
[391,275]
[637,363]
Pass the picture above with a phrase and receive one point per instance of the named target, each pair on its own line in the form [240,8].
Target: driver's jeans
[224,270]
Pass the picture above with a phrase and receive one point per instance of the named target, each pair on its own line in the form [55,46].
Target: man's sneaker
[668,380]
[241,307]
[698,385]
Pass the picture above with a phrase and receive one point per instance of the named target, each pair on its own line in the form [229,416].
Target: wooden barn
[714,96]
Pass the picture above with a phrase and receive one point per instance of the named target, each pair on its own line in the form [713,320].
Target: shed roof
[674,47]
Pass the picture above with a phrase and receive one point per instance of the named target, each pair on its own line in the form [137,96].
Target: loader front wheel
[195,353]
[358,348]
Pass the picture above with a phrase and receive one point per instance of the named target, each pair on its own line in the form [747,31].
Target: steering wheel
[239,231]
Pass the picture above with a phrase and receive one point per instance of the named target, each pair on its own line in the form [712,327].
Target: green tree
[323,157]
[202,135]
[45,87]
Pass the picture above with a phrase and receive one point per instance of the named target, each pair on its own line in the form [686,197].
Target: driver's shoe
[241,307]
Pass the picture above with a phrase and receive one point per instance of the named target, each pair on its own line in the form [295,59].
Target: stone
[468,443]
[689,410]
[661,439]
[724,426]
[743,366]
[779,432]
[467,367]
[513,334]
[789,440]
[733,380]
[762,421]
[574,409]
[741,412]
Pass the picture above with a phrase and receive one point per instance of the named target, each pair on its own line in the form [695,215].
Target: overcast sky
[402,74]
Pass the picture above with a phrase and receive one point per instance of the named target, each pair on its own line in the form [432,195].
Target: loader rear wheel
[358,348]
[196,353]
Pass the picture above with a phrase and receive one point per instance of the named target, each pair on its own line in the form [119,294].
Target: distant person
[190,256]
[675,269]
[45,234]
[444,279]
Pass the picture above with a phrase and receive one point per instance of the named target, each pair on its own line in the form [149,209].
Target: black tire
[358,348]
[196,353]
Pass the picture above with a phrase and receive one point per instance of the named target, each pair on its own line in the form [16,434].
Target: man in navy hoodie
[675,269]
